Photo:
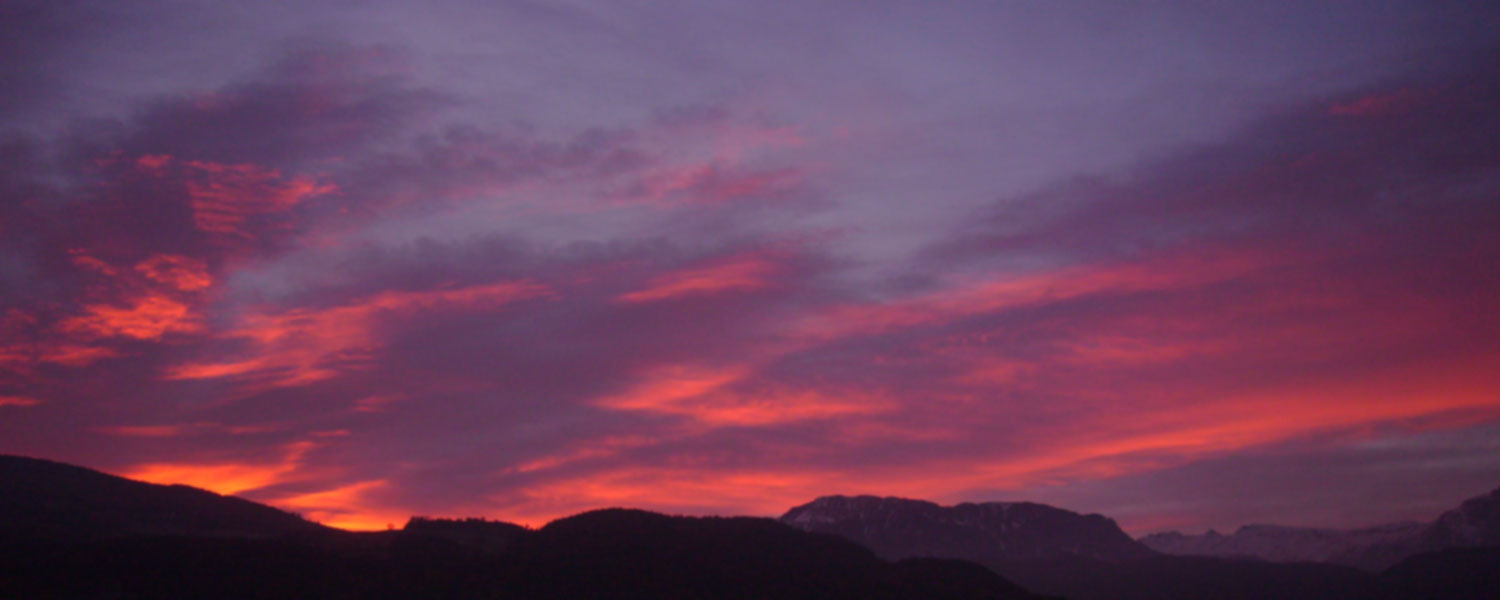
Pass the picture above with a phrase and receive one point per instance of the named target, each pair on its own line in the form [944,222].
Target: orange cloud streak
[705,395]
[224,479]
[150,318]
[306,345]
[19,401]
[345,507]
[184,429]
[1190,428]
[1057,286]
[178,272]
[227,478]
[741,274]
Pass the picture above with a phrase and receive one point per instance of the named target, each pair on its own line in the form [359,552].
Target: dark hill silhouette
[76,533]
[42,498]
[482,534]
[899,528]
[1453,573]
[1186,578]
[1476,522]
[622,553]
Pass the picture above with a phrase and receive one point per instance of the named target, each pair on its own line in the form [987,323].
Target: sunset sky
[1185,264]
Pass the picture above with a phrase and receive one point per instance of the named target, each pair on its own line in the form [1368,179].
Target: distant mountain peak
[901,527]
[1475,522]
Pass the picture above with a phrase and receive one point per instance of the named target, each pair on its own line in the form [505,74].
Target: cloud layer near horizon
[354,280]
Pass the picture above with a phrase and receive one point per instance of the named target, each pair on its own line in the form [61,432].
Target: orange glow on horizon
[225,479]
[344,507]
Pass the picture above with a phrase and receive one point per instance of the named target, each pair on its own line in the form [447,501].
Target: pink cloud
[301,346]
[19,401]
[184,430]
[711,397]
[178,272]
[739,274]
[145,318]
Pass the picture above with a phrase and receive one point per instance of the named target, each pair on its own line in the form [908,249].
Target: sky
[1185,264]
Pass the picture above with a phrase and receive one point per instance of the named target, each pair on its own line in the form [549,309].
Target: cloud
[226,478]
[741,273]
[305,345]
[345,507]
[19,401]
[711,397]
[184,429]
[332,288]
[227,196]
[147,318]
[183,273]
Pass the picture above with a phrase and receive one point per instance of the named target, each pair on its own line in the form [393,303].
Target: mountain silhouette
[1474,523]
[1082,557]
[72,532]
[49,499]
[623,553]
[899,528]
[1369,548]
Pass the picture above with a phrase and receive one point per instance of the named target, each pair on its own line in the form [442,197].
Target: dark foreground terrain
[603,554]
[69,532]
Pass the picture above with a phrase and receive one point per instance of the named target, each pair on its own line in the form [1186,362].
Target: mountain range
[71,532]
[1087,557]
[1476,522]
[897,527]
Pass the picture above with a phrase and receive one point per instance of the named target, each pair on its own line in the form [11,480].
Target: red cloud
[145,318]
[18,401]
[739,274]
[179,272]
[184,429]
[232,477]
[305,345]
[224,197]
[710,396]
